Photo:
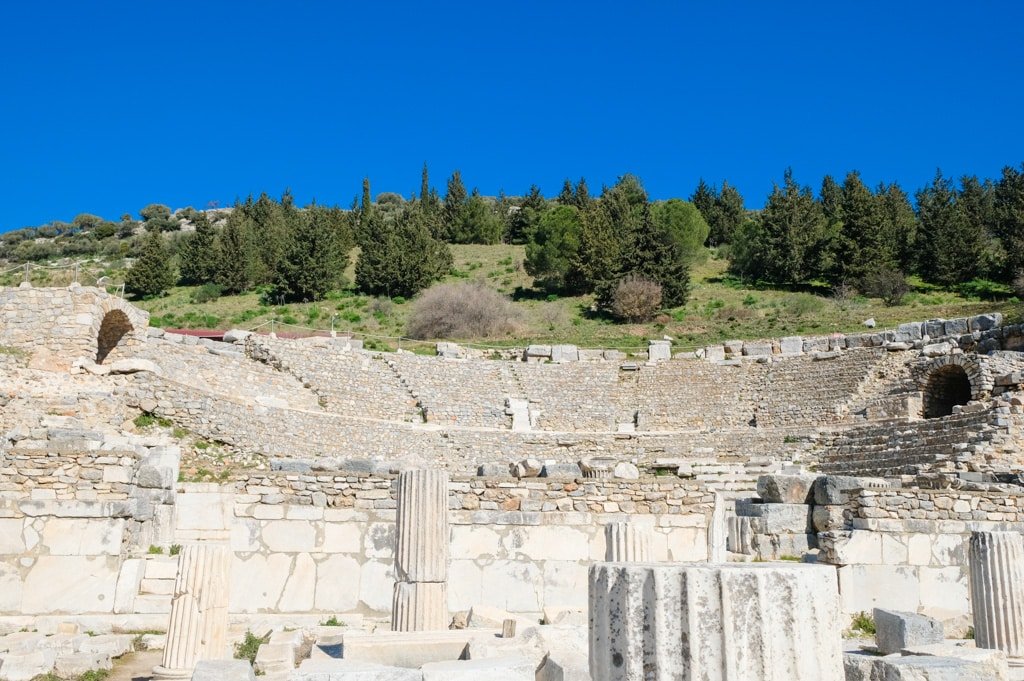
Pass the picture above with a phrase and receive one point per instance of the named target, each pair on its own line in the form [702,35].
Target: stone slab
[896,630]
[351,670]
[513,668]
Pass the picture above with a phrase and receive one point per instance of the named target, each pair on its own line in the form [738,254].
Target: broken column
[627,543]
[421,556]
[997,592]
[198,627]
[727,622]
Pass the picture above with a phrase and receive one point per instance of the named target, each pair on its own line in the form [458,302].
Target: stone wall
[55,326]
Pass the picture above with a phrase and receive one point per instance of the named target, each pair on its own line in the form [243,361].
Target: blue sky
[106,107]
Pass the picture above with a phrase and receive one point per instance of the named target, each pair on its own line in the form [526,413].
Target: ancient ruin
[388,515]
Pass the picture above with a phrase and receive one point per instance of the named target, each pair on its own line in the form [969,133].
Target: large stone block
[351,670]
[792,345]
[223,670]
[512,668]
[73,665]
[777,518]
[560,666]
[836,490]
[70,584]
[659,350]
[895,630]
[786,489]
[410,649]
[726,622]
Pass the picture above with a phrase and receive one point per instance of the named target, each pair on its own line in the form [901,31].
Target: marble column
[198,626]
[996,563]
[718,531]
[627,543]
[714,622]
[421,554]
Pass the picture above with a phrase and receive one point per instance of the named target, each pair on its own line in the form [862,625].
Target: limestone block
[561,470]
[757,349]
[73,665]
[956,327]
[936,349]
[114,645]
[83,536]
[985,322]
[865,587]
[659,350]
[916,668]
[597,466]
[410,649]
[527,468]
[965,650]
[337,589]
[488,617]
[235,335]
[626,471]
[351,670]
[198,625]
[420,606]
[537,352]
[997,592]
[274,657]
[514,668]
[786,489]
[828,518]
[776,518]
[836,490]
[223,670]
[72,584]
[422,525]
[911,331]
[688,621]
[562,666]
[792,345]
[627,543]
[895,630]
[565,353]
[289,536]
[24,666]
[714,353]
[492,470]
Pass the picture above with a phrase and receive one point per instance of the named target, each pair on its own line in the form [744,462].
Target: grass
[332,621]
[720,308]
[862,624]
[146,420]
[250,645]
[155,550]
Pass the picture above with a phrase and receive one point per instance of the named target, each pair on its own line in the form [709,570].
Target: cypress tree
[729,215]
[315,259]
[454,203]
[899,225]
[424,185]
[566,197]
[862,246]
[239,262]
[1008,214]
[949,245]
[657,252]
[151,273]
[198,256]
[582,194]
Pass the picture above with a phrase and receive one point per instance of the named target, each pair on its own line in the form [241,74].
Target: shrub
[464,310]
[888,284]
[250,645]
[863,624]
[207,293]
[636,299]
[175,549]
[155,550]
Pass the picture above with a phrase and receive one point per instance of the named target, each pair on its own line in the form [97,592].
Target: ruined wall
[54,326]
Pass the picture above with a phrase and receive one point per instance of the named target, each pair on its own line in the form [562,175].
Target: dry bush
[636,299]
[553,315]
[464,310]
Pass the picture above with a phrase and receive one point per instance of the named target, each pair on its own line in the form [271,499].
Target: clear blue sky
[106,107]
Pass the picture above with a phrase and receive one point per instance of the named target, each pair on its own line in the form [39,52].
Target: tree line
[632,253]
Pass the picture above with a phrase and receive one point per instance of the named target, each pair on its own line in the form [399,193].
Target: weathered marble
[997,592]
[627,543]
[717,622]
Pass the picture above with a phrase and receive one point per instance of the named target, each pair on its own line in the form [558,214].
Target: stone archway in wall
[951,381]
[114,330]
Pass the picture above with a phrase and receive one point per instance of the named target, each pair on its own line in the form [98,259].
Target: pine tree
[789,234]
[424,185]
[553,246]
[899,225]
[949,246]
[315,260]
[863,245]
[454,203]
[1008,214]
[404,258]
[566,197]
[582,194]
[656,252]
[705,198]
[729,215]
[151,273]
[477,223]
[198,257]
[239,262]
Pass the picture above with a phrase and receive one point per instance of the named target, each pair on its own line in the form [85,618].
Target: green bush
[207,293]
[155,550]
[984,289]
[863,623]
[250,645]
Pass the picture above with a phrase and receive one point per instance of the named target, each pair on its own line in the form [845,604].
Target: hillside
[720,308]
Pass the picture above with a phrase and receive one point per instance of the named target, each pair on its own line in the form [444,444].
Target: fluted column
[627,543]
[421,554]
[718,531]
[714,622]
[997,592]
[198,626]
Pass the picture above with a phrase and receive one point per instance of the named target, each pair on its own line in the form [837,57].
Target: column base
[161,672]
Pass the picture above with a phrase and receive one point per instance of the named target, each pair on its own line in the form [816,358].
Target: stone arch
[113,329]
[953,380]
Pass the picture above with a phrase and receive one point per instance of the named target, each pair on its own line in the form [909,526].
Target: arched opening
[114,327]
[947,387]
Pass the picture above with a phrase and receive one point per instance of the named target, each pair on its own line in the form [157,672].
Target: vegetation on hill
[604,270]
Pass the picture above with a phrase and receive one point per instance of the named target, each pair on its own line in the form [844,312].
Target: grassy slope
[719,309]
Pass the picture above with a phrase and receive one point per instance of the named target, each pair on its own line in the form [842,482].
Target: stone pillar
[718,531]
[714,622]
[997,592]
[627,543]
[198,627]
[421,554]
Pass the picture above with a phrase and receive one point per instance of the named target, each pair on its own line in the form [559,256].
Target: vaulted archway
[113,329]
[946,387]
